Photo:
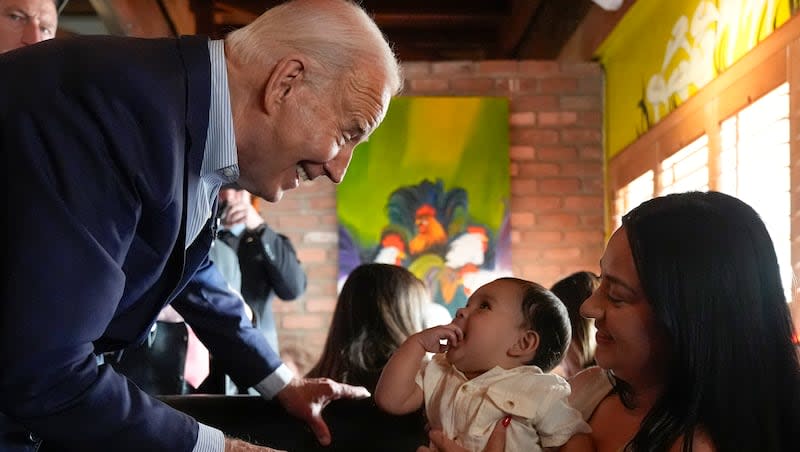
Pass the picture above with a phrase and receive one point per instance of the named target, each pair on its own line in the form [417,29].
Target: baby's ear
[526,345]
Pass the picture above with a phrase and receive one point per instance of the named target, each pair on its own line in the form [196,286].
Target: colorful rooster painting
[429,231]
[442,214]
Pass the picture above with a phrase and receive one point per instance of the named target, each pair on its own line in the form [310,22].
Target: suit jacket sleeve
[217,316]
[265,252]
[92,172]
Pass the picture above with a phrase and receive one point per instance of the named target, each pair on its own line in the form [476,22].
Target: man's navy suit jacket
[103,140]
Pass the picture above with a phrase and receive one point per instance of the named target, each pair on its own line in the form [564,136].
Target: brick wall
[556,181]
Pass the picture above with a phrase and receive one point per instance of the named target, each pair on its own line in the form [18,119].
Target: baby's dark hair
[543,312]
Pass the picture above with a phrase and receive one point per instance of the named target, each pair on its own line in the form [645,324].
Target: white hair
[337,35]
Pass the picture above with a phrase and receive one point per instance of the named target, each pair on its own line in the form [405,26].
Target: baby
[490,363]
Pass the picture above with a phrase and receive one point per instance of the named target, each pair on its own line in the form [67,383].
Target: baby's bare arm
[397,392]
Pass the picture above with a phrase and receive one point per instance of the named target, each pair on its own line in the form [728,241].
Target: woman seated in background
[694,337]
[380,305]
[572,291]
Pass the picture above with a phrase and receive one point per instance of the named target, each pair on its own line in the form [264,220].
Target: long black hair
[708,268]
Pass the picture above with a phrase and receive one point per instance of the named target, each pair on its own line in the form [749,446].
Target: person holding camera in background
[256,262]
[266,260]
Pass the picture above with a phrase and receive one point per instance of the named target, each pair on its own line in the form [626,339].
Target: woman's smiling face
[629,340]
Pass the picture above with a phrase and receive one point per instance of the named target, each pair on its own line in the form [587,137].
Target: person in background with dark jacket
[256,262]
[267,260]
[267,266]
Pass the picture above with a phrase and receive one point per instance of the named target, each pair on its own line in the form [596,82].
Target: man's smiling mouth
[302,174]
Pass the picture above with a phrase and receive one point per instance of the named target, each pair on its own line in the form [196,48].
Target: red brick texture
[556,180]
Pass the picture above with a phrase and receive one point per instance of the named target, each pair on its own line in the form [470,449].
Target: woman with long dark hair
[698,271]
[694,336]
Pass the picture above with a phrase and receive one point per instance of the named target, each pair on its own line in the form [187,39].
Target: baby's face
[492,323]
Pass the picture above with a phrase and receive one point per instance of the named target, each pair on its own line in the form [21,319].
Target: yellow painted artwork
[662,52]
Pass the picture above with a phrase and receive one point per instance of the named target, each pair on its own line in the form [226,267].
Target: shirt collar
[220,162]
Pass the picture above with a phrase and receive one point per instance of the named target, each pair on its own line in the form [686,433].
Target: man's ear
[526,345]
[283,82]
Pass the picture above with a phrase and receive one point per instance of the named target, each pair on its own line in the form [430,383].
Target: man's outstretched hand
[305,398]
[237,445]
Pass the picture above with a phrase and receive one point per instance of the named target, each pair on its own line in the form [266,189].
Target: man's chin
[274,197]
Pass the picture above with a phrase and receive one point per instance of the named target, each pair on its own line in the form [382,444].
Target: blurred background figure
[572,291]
[26,22]
[380,305]
[267,260]
[297,357]
[257,262]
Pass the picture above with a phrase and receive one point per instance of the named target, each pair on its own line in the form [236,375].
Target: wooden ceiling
[430,30]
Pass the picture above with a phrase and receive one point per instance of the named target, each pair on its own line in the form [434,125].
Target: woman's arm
[580,442]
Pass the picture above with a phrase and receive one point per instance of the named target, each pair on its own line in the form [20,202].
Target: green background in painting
[463,141]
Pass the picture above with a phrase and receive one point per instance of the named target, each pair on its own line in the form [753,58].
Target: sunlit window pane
[754,166]
[686,169]
[636,192]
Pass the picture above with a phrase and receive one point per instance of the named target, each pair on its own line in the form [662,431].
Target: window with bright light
[752,163]
[636,192]
[686,169]
[754,166]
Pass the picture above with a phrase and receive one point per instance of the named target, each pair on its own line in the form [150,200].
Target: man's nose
[31,33]
[337,167]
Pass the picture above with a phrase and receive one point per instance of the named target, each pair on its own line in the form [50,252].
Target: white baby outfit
[467,410]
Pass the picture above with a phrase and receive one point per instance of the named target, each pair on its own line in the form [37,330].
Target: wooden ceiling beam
[553,24]
[513,31]
[592,31]
[476,7]
[441,45]
[409,52]
[228,14]
[139,18]
[438,20]
[437,37]
[79,8]
[254,7]
[429,29]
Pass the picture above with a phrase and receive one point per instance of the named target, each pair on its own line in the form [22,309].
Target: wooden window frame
[773,62]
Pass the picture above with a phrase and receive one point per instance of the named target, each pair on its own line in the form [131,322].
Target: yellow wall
[662,52]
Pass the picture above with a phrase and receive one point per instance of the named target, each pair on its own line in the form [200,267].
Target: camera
[222,211]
